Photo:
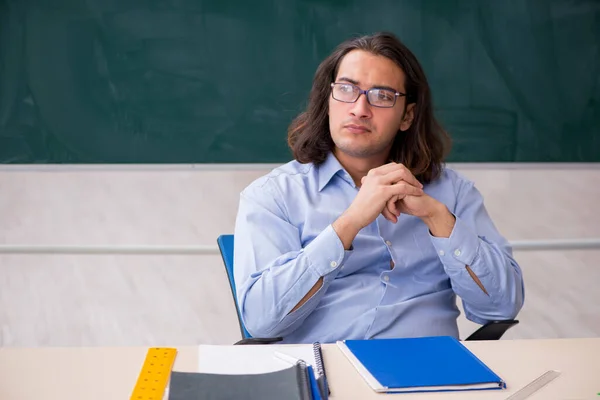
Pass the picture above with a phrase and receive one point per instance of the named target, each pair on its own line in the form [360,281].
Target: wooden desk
[75,373]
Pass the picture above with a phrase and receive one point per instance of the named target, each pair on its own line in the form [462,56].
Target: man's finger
[385,168]
[402,188]
[401,174]
[389,216]
[392,205]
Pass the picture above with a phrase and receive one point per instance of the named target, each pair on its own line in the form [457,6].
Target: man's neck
[358,167]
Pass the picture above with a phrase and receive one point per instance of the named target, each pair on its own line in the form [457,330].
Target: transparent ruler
[534,386]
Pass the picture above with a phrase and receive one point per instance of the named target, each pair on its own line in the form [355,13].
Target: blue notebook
[439,363]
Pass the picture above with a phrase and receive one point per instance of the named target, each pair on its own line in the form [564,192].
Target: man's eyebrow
[354,82]
[385,87]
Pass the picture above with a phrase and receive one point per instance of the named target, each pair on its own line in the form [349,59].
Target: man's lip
[355,127]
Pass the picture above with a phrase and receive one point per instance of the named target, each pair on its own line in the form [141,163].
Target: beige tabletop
[103,373]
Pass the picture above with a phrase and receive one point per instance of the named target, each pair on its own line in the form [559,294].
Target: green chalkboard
[218,81]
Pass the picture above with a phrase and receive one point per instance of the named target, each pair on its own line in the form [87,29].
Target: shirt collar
[328,169]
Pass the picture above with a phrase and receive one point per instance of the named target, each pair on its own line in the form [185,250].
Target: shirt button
[442,252]
[388,242]
[333,264]
[386,278]
[457,252]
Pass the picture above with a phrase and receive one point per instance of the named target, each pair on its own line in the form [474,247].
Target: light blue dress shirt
[284,242]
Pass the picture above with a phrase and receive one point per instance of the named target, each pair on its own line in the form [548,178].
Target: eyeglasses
[377,97]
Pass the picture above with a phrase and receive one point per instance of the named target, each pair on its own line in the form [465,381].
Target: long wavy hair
[422,148]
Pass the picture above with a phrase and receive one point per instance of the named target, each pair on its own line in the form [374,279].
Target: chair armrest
[492,330]
[254,340]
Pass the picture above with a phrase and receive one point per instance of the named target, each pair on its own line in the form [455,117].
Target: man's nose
[361,108]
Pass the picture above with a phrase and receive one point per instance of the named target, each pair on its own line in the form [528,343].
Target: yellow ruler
[155,374]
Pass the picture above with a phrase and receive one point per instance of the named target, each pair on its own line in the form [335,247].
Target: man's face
[359,129]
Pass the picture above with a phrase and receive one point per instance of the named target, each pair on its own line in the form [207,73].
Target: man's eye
[385,95]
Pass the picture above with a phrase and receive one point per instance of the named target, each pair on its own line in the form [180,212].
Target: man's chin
[359,151]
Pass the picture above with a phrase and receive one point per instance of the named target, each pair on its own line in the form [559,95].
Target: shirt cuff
[326,252]
[458,250]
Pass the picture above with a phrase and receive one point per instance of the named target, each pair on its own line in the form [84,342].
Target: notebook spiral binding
[318,359]
[303,378]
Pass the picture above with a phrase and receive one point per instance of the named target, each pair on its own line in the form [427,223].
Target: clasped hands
[391,190]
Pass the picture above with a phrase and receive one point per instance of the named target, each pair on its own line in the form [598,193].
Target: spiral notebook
[318,367]
[251,370]
[423,364]
[295,382]
[252,359]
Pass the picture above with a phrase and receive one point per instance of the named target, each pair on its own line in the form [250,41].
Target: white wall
[177,300]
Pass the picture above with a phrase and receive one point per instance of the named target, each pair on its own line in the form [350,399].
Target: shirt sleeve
[273,271]
[475,242]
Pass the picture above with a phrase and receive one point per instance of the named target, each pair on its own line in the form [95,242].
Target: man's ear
[408,118]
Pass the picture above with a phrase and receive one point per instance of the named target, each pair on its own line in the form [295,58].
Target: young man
[367,234]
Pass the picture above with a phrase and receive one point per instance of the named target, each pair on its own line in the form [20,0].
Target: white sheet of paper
[250,359]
